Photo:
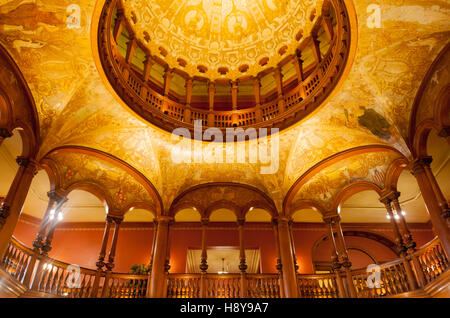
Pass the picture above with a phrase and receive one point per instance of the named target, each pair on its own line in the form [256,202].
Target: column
[155,230]
[298,63]
[234,102]
[400,244]
[342,249]
[159,258]
[38,242]
[187,111]
[211,93]
[438,213]
[4,133]
[279,267]
[242,260]
[101,258]
[112,253]
[168,75]
[47,246]
[204,260]
[287,259]
[328,26]
[131,47]
[407,236]
[316,48]
[13,203]
[257,92]
[147,68]
[119,24]
[291,222]
[279,82]
[336,265]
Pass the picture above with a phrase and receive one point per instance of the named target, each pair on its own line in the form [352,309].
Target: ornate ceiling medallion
[228,63]
[221,33]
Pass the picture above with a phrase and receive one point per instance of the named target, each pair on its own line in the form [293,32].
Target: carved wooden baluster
[57,280]
[436,256]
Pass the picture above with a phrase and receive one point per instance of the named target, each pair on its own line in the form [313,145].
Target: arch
[418,132]
[393,173]
[30,122]
[421,137]
[140,205]
[311,172]
[351,189]
[224,204]
[6,111]
[95,189]
[364,252]
[137,175]
[442,108]
[387,242]
[307,204]
[244,197]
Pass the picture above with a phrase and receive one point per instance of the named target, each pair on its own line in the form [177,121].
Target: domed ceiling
[221,33]
[78,107]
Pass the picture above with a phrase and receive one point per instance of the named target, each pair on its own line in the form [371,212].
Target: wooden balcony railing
[223,286]
[432,260]
[317,286]
[168,113]
[393,281]
[263,286]
[126,286]
[51,277]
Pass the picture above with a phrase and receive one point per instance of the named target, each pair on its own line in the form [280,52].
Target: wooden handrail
[167,113]
[51,277]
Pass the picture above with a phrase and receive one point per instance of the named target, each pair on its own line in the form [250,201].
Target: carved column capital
[331,219]
[418,165]
[5,133]
[164,219]
[240,222]
[445,132]
[4,213]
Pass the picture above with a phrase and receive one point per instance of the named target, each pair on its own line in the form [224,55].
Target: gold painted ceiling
[78,107]
[221,33]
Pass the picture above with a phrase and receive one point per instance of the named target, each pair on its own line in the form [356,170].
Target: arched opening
[307,228]
[439,149]
[10,149]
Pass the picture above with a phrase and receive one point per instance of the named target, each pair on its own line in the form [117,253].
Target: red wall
[80,243]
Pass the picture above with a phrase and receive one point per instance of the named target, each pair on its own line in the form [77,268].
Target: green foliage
[140,269]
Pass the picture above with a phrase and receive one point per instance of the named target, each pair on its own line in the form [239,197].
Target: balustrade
[127,286]
[393,281]
[317,286]
[432,260]
[45,275]
[142,95]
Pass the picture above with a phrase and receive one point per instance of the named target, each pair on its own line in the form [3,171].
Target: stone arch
[17,102]
[334,159]
[53,168]
[239,198]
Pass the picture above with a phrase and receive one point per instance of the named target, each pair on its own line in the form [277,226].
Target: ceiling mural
[53,49]
[226,33]
[323,186]
[123,190]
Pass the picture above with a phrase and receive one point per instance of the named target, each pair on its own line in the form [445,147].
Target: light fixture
[403,213]
[388,216]
[223,268]
[396,216]
[52,214]
[60,216]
